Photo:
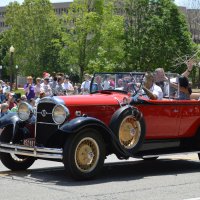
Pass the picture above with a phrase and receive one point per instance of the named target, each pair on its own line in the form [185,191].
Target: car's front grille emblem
[44,113]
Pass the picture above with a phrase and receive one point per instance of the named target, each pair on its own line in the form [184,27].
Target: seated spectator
[4,109]
[23,98]
[42,94]
[11,101]
[152,91]
[32,102]
[15,108]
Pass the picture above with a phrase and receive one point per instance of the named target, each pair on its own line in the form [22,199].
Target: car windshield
[129,82]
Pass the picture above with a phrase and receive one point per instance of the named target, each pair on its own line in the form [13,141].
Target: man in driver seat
[152,91]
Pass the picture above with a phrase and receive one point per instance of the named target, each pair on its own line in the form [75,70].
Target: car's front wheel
[12,161]
[199,155]
[84,154]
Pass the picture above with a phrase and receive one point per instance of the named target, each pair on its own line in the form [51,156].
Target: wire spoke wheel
[87,155]
[84,154]
[129,132]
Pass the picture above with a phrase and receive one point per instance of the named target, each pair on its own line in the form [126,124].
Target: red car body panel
[164,119]
[100,106]
[170,118]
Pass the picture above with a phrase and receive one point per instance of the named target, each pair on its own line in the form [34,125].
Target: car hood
[93,99]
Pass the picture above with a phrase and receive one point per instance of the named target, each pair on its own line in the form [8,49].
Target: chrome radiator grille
[44,112]
[45,126]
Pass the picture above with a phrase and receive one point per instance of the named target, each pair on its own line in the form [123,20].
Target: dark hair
[18,100]
[55,78]
[31,100]
[183,81]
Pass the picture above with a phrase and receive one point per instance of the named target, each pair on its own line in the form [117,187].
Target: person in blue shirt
[4,109]
[2,96]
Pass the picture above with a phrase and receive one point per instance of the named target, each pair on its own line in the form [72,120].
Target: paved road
[174,178]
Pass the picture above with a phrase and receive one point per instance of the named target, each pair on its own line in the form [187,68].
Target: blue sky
[6,2]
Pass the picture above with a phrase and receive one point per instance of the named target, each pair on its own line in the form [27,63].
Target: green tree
[93,36]
[156,34]
[33,30]
[110,55]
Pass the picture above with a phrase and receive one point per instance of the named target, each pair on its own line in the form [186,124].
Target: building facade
[2,21]
[59,8]
[192,16]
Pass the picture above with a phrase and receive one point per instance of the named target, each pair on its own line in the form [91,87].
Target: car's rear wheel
[129,129]
[199,155]
[84,154]
[13,161]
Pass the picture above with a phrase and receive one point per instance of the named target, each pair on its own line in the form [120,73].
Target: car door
[162,118]
[189,121]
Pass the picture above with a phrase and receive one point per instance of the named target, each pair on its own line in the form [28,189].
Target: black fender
[79,123]
[9,119]
[116,115]
[12,120]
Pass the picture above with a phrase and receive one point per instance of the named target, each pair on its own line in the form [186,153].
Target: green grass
[19,90]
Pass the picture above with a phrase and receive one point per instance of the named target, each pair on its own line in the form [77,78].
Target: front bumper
[37,152]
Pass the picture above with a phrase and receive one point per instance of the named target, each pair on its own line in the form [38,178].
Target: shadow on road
[122,171]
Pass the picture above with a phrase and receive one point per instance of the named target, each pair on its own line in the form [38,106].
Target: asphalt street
[169,177]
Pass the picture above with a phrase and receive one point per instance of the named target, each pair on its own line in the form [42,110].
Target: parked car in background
[115,118]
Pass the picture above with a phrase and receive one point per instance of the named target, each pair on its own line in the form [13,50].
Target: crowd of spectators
[59,84]
[48,85]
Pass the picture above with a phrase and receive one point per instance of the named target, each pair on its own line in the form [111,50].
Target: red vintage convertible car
[81,130]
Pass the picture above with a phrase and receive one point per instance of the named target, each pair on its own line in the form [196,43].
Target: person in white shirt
[37,87]
[67,85]
[162,81]
[152,91]
[45,87]
[6,88]
[85,86]
[106,83]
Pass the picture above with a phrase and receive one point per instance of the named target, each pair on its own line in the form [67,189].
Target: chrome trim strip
[118,101]
[46,113]
[47,123]
[38,152]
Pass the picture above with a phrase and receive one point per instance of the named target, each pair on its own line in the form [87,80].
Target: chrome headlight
[59,114]
[25,111]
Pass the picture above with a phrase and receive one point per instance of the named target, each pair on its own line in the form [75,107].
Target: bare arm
[187,72]
[149,93]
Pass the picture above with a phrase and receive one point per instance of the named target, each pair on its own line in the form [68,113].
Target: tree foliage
[33,28]
[93,33]
[97,35]
[156,34]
